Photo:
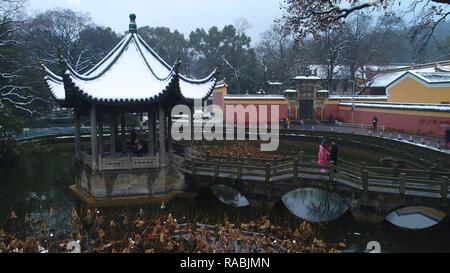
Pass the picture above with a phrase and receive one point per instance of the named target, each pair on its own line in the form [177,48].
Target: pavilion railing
[126,162]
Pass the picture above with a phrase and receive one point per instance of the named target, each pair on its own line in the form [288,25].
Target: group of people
[287,122]
[328,153]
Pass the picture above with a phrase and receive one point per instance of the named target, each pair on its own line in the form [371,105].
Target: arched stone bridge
[370,192]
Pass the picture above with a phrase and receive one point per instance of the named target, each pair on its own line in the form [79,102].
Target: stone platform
[95,186]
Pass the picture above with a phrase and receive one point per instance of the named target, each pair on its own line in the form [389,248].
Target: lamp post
[353,101]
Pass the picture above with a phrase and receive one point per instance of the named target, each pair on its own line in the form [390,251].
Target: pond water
[415,217]
[36,184]
[229,196]
[314,205]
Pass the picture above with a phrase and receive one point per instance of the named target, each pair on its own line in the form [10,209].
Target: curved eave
[204,98]
[59,100]
[50,79]
[201,81]
[73,90]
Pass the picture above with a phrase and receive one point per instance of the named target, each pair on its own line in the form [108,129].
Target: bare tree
[56,33]
[242,25]
[331,50]
[278,52]
[309,17]
[365,37]
[14,90]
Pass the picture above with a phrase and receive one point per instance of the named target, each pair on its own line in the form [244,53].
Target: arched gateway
[132,78]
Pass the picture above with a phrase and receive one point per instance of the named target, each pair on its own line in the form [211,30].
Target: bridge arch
[416,217]
[314,204]
[225,193]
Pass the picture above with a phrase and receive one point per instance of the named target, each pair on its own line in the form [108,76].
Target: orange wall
[410,90]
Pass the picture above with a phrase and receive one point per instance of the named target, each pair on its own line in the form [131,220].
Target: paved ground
[429,142]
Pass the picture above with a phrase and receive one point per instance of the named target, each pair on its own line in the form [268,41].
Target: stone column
[94,144]
[123,133]
[169,132]
[162,135]
[101,143]
[192,127]
[76,118]
[151,133]
[113,127]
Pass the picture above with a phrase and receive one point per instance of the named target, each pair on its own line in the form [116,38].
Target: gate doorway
[306,109]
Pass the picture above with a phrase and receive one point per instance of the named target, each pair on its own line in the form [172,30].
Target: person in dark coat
[447,138]
[334,152]
[375,123]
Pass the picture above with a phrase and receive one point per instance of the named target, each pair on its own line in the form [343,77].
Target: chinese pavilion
[132,78]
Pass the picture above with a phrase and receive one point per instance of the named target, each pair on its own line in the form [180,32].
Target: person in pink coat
[323,153]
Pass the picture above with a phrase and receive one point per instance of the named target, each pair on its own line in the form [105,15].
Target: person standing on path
[375,123]
[323,153]
[334,153]
[447,138]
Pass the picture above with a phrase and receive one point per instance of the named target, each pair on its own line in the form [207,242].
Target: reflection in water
[415,217]
[36,184]
[314,205]
[229,196]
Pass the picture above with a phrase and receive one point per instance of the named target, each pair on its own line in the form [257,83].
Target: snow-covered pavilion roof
[131,73]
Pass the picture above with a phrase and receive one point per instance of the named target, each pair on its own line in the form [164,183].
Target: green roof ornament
[133,25]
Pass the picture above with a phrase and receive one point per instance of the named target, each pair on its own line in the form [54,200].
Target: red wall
[218,98]
[318,113]
[294,111]
[282,113]
[417,124]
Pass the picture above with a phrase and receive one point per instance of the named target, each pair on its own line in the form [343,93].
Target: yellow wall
[413,91]
[399,112]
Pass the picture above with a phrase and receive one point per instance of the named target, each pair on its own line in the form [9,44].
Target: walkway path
[428,142]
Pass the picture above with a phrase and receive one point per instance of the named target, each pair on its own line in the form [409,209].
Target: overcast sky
[176,14]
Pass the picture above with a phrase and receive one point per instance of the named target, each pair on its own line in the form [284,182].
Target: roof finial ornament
[133,25]
[177,64]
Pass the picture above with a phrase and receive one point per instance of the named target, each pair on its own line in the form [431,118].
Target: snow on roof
[275,83]
[111,56]
[383,80]
[376,68]
[290,91]
[323,91]
[221,84]
[406,106]
[442,69]
[340,72]
[306,78]
[358,97]
[436,77]
[132,71]
[57,88]
[197,90]
[128,78]
[255,97]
